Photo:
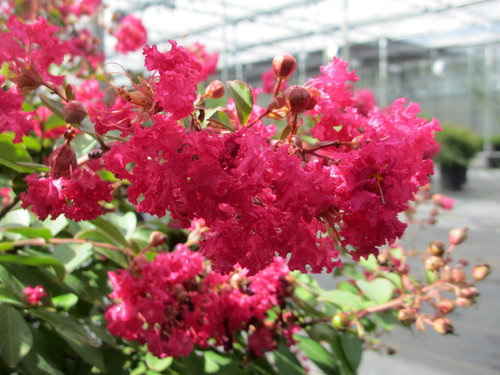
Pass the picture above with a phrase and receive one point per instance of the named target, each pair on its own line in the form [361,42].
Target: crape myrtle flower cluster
[176,302]
[259,196]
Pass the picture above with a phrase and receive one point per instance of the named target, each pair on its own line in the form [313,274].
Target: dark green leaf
[16,339]
[318,354]
[378,290]
[36,364]
[243,99]
[18,184]
[67,326]
[88,353]
[220,117]
[353,349]
[37,261]
[287,362]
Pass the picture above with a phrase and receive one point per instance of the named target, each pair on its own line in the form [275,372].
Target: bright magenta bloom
[12,117]
[131,35]
[34,294]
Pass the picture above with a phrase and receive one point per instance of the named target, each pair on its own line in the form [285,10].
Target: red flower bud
[297,98]
[62,161]
[480,272]
[457,235]
[215,89]
[446,306]
[284,66]
[74,112]
[443,326]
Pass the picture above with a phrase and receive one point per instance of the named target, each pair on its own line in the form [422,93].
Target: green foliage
[458,146]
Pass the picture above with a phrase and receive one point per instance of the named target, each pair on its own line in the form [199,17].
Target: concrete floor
[475,348]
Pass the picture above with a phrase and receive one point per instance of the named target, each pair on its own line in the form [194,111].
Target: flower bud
[443,326]
[480,272]
[407,316]
[215,89]
[157,238]
[74,112]
[458,235]
[469,292]
[383,257]
[436,248]
[297,98]
[446,306]
[458,276]
[62,161]
[284,66]
[28,80]
[464,302]
[341,321]
[434,263]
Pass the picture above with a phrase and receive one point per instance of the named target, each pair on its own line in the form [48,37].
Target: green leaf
[65,301]
[72,255]
[57,225]
[286,132]
[158,364]
[37,261]
[220,117]
[287,362]
[243,99]
[347,286]
[13,153]
[370,263]
[111,231]
[345,300]
[379,290]
[16,218]
[4,246]
[67,326]
[127,223]
[430,276]
[88,353]
[318,354]
[386,319]
[16,339]
[18,184]
[31,232]
[54,106]
[394,277]
[353,349]
[36,364]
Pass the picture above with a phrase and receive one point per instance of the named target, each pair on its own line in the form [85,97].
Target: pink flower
[178,71]
[446,203]
[12,116]
[364,101]
[30,48]
[207,60]
[176,302]
[34,294]
[77,197]
[269,82]
[131,35]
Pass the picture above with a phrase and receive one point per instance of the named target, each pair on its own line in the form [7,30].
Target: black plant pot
[452,178]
